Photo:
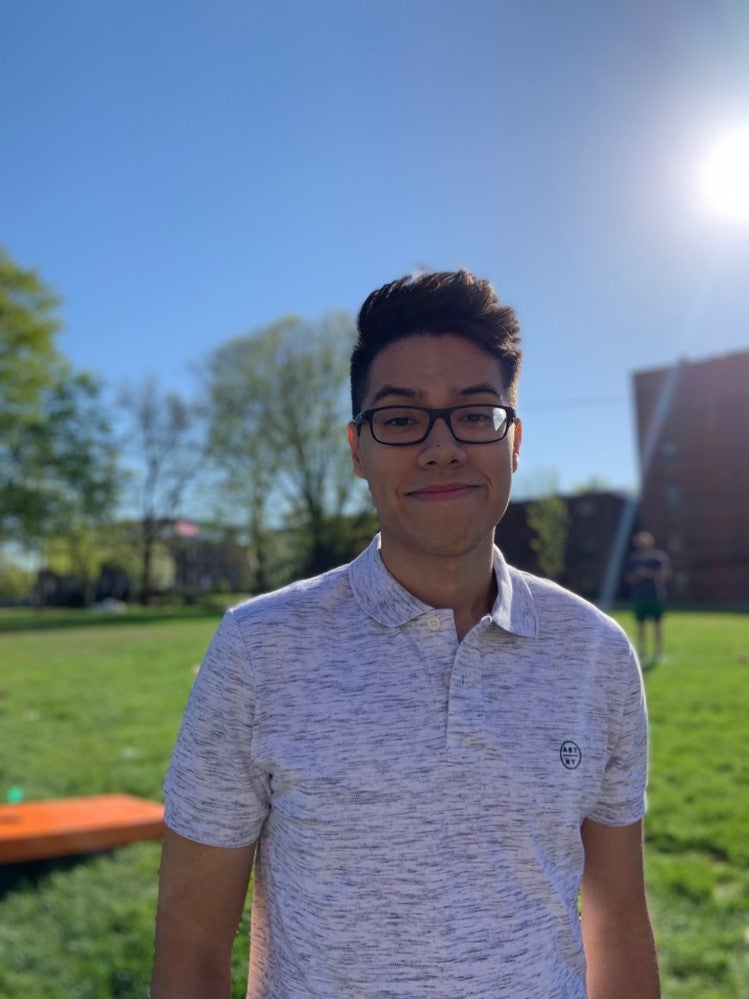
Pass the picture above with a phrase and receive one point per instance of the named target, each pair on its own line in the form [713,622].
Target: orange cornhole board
[37,830]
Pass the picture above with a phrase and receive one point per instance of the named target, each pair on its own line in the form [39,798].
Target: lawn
[91,705]
[698,821]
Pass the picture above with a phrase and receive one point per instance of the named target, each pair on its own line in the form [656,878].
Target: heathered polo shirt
[417,801]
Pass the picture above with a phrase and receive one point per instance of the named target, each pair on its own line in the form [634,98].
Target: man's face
[439,497]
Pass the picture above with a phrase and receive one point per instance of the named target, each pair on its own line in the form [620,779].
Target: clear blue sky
[186,170]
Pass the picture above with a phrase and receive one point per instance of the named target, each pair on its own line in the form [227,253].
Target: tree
[30,364]
[595,484]
[77,466]
[16,582]
[162,444]
[549,521]
[277,409]
[58,467]
[238,397]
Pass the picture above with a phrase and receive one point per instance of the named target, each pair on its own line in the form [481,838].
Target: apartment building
[693,436]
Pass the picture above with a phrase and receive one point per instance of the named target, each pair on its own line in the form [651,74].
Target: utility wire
[605,400]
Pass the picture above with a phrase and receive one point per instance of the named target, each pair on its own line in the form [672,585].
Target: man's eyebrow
[397,390]
[483,388]
[403,392]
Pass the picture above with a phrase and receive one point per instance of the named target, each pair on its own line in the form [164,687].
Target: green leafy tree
[78,476]
[276,411]
[238,397]
[29,360]
[549,520]
[30,364]
[16,582]
[58,461]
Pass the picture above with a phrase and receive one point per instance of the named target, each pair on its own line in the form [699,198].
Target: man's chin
[448,544]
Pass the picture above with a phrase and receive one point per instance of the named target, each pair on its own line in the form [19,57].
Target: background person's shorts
[648,607]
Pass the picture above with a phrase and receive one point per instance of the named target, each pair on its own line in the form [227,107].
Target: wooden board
[36,830]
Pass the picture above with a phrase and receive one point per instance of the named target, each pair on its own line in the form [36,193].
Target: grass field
[91,705]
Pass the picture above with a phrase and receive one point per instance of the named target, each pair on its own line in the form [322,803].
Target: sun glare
[725,176]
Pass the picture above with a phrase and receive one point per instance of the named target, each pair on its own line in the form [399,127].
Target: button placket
[465,710]
[439,644]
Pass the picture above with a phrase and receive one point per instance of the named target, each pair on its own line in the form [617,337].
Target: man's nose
[440,443]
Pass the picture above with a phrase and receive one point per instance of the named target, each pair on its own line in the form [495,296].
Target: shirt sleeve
[213,793]
[622,798]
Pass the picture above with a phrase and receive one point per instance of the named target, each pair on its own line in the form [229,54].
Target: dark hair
[433,304]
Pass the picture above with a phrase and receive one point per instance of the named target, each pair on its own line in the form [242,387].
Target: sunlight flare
[724,177]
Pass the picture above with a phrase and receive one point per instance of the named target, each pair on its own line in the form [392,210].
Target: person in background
[647,572]
[428,754]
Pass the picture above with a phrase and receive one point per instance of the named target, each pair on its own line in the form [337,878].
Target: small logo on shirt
[571,755]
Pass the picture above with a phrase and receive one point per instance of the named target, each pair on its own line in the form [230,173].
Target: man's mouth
[447,490]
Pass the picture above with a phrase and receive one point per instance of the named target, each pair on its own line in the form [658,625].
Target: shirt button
[446,679]
[434,623]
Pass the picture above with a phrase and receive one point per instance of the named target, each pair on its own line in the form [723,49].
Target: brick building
[693,435]
[594,520]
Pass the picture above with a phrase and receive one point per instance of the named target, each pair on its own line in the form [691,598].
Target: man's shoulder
[558,605]
[301,597]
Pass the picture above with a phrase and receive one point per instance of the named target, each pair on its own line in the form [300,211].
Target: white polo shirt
[418,801]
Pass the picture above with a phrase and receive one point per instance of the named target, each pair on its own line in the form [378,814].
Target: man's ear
[353,443]
[517,437]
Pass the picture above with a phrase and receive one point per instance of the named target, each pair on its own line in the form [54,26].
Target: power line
[604,400]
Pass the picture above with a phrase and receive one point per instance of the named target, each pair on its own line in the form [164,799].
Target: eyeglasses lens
[470,424]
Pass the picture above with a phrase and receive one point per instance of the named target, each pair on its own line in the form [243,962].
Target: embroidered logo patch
[571,755]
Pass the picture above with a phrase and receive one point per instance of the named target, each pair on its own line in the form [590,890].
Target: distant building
[189,560]
[207,560]
[693,434]
[594,519]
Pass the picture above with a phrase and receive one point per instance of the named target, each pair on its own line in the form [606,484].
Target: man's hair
[433,304]
[643,540]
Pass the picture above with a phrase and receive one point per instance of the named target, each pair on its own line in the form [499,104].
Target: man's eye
[399,421]
[475,417]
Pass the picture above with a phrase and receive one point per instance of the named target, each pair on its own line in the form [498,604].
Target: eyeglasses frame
[434,414]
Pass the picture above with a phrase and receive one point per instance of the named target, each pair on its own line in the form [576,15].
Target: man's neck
[464,584]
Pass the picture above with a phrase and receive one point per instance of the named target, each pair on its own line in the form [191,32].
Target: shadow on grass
[52,619]
[30,873]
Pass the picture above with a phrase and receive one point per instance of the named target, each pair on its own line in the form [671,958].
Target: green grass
[92,705]
[697,826]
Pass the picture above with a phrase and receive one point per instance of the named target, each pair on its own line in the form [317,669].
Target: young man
[648,571]
[427,752]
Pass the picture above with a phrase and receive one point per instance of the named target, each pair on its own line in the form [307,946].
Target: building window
[588,547]
[672,495]
[585,508]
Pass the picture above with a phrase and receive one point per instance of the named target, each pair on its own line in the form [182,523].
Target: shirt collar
[378,593]
[383,598]
[514,609]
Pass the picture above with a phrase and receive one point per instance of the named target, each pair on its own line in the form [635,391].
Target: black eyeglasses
[402,425]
